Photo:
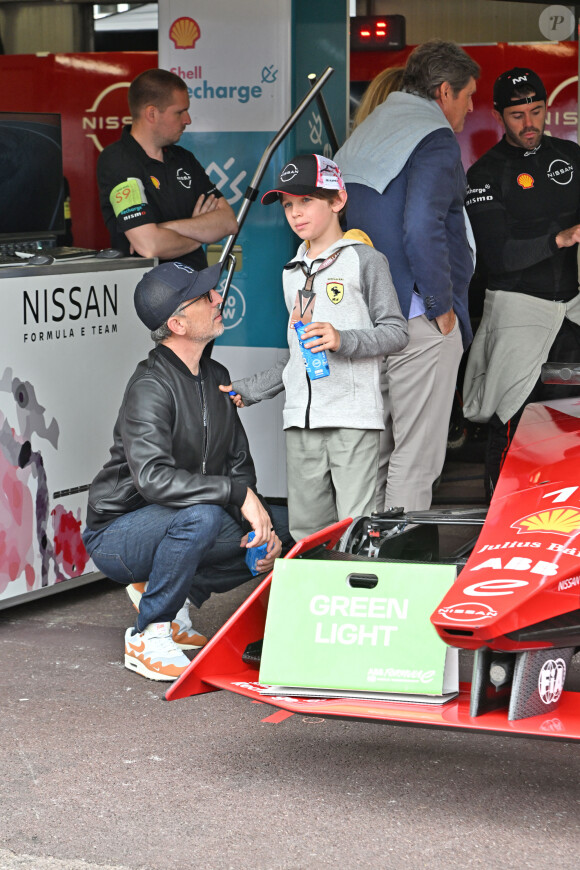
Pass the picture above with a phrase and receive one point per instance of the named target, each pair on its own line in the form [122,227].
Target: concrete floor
[97,770]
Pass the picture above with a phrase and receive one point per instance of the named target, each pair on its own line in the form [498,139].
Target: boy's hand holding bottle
[321,336]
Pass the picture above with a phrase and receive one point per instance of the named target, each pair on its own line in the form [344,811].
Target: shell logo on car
[561,521]
[184,33]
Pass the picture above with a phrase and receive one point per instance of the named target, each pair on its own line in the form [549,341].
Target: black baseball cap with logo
[305,174]
[508,87]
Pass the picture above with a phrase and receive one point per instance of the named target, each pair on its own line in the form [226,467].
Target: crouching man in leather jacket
[168,511]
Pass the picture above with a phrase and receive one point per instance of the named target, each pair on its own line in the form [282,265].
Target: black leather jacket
[177,441]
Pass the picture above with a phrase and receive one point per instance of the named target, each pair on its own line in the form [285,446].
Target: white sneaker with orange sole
[153,653]
[135,591]
[182,630]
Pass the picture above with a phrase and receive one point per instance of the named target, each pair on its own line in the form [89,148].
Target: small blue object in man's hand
[254,554]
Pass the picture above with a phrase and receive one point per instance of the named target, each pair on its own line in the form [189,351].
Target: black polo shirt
[135,189]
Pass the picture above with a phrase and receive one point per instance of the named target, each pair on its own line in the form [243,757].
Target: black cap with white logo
[509,86]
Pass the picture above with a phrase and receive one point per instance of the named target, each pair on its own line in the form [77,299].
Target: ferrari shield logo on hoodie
[335,292]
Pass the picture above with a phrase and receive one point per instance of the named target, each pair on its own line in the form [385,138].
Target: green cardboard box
[357,629]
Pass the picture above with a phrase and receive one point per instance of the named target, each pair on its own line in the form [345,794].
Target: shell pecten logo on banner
[184,32]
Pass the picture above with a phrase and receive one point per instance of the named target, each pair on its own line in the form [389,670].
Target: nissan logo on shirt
[560,171]
[184,178]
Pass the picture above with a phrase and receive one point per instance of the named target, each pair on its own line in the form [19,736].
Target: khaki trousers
[418,385]
[332,475]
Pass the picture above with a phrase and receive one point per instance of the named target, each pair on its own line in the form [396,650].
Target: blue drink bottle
[254,554]
[316,363]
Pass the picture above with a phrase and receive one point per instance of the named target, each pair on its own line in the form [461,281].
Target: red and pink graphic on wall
[39,542]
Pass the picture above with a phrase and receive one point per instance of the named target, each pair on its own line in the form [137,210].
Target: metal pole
[325,116]
[228,281]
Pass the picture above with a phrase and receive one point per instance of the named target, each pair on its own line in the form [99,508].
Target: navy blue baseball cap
[163,289]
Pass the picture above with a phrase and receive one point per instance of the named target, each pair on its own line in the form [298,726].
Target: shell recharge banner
[235,65]
[235,61]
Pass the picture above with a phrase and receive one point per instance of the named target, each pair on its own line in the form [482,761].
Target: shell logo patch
[155,182]
[184,32]
[525,180]
[559,521]
[334,291]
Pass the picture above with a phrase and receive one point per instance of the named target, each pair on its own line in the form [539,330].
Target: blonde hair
[377,92]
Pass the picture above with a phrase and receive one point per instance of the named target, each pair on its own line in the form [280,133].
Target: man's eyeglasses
[207,296]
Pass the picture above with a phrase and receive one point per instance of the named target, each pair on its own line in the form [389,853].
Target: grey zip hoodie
[354,293]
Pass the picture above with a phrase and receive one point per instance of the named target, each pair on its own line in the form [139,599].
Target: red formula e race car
[515,603]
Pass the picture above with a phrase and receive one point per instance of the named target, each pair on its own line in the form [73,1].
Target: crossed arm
[211,220]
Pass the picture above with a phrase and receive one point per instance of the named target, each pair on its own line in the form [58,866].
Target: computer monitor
[31,176]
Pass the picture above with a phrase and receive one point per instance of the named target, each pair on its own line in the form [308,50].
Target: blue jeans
[224,566]
[187,553]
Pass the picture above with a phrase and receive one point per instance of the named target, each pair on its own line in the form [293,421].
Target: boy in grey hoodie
[332,423]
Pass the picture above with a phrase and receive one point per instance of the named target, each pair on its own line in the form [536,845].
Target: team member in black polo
[524,205]
[152,191]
